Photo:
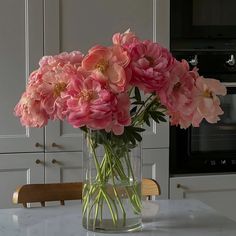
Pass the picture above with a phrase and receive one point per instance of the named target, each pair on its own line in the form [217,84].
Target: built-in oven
[204,33]
[211,147]
[203,24]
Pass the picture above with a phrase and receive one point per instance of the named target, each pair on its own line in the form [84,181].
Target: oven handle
[229,84]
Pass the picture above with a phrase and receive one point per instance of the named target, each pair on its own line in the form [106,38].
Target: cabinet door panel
[106,17]
[60,36]
[18,169]
[61,136]
[156,136]
[21,46]
[218,191]
[162,25]
[63,167]
[156,166]
[109,16]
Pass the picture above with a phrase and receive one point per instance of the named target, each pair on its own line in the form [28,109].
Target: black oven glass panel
[213,12]
[208,148]
[203,32]
[205,24]
[220,136]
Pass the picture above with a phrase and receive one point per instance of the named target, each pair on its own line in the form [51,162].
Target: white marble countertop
[161,218]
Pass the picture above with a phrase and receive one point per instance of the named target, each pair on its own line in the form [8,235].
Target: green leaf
[138,129]
[157,116]
[137,136]
[132,139]
[128,135]
[133,110]
[137,94]
[138,103]
[161,118]
[154,116]
[147,121]
[159,113]
[84,128]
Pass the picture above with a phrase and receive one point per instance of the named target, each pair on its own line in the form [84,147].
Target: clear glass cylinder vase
[112,183]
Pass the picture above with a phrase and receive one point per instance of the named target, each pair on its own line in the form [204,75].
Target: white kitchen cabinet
[62,137]
[63,167]
[47,27]
[218,191]
[18,169]
[22,150]
[156,166]
[68,27]
[21,46]
[162,22]
[25,168]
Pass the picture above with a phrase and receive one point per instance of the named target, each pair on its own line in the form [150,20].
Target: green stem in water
[114,189]
[113,214]
[136,202]
[96,211]
[101,209]
[110,167]
[95,158]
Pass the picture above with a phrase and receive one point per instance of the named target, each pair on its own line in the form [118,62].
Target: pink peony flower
[30,112]
[53,92]
[94,90]
[189,97]
[180,118]
[56,73]
[208,104]
[125,39]
[121,115]
[90,104]
[74,57]
[178,94]
[150,64]
[108,66]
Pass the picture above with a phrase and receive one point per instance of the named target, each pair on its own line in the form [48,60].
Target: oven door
[203,19]
[209,148]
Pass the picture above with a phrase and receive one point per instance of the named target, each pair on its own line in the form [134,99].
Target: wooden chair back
[42,193]
[31,193]
[150,187]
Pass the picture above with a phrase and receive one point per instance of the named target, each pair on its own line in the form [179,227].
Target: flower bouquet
[110,94]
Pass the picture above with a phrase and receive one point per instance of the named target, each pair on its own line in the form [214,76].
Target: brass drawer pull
[38,161]
[56,145]
[38,145]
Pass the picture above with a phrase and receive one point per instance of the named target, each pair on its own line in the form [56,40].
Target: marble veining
[161,218]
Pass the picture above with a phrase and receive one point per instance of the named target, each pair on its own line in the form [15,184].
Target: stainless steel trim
[231,61]
[229,84]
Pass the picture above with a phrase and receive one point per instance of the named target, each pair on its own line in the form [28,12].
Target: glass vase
[112,183]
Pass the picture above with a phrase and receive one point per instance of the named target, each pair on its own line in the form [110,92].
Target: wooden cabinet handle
[54,161]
